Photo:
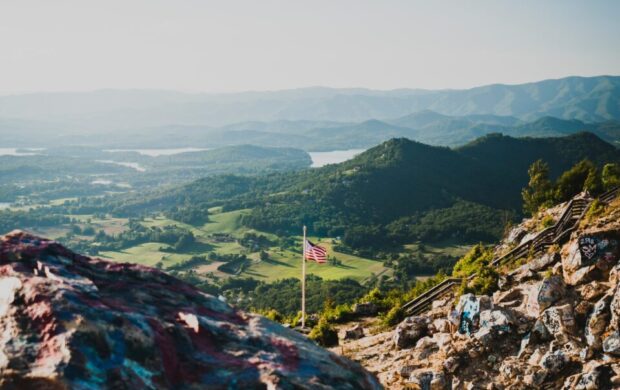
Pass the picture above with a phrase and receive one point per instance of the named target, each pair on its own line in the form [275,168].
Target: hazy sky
[201,45]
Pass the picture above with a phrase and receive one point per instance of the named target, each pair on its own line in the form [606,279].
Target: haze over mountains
[311,118]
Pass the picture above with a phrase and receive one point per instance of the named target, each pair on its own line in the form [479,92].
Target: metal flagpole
[303,282]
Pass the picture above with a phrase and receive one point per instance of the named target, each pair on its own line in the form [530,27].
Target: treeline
[178,238]
[33,218]
[541,192]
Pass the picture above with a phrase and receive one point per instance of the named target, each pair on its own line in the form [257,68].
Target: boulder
[440,325]
[440,303]
[544,261]
[597,322]
[75,322]
[515,235]
[425,347]
[553,362]
[406,370]
[408,332]
[427,380]
[365,309]
[573,261]
[354,333]
[593,291]
[611,344]
[558,321]
[451,364]
[499,320]
[595,378]
[615,309]
[581,275]
[505,298]
[443,340]
[551,290]
[521,274]
[492,324]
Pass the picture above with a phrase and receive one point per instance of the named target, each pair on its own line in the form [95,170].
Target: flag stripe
[315,252]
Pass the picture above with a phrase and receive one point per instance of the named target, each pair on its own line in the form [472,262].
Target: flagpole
[303,282]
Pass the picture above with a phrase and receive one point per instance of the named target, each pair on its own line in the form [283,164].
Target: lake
[320,159]
[133,165]
[14,152]
[159,152]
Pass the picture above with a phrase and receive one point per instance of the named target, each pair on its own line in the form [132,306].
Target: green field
[282,263]
[287,264]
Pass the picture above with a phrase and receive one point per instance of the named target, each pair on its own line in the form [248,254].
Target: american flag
[315,252]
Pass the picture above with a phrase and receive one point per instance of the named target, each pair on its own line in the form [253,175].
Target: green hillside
[396,193]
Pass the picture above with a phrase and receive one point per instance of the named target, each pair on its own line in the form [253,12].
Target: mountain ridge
[586,98]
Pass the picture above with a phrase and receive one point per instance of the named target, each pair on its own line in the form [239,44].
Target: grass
[447,247]
[145,254]
[282,263]
[287,264]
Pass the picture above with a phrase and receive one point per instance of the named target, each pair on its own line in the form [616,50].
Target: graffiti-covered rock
[611,344]
[597,322]
[550,291]
[468,311]
[559,322]
[71,321]
[591,257]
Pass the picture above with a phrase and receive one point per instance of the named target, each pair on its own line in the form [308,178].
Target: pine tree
[539,191]
[610,176]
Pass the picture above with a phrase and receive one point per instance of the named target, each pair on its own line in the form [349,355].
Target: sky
[231,45]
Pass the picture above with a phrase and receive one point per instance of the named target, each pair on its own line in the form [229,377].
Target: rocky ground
[553,324]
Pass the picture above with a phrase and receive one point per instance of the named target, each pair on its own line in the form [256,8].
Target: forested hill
[402,178]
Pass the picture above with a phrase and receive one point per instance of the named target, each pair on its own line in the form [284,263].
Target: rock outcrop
[553,323]
[71,321]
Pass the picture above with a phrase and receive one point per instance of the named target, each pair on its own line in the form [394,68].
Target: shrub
[340,313]
[546,221]
[595,210]
[474,261]
[394,316]
[273,315]
[477,261]
[324,334]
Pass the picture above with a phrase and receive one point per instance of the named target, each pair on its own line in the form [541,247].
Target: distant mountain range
[311,118]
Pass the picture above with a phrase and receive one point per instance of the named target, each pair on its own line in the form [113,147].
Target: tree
[610,176]
[593,183]
[575,180]
[186,240]
[539,191]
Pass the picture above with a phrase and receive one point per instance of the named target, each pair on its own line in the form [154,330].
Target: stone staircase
[556,234]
